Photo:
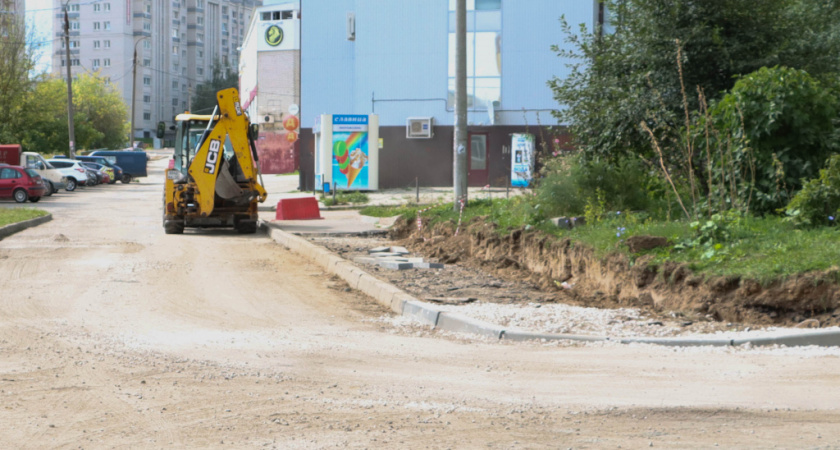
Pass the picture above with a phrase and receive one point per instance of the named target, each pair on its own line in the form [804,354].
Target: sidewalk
[346,220]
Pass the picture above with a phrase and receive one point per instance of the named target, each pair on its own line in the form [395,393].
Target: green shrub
[818,203]
[788,119]
[571,184]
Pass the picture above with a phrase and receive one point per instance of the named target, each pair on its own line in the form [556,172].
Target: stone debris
[394,258]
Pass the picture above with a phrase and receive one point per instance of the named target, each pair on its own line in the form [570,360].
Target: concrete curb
[13,228]
[402,303]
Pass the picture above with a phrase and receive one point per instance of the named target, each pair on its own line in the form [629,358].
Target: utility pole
[133,92]
[133,97]
[70,126]
[460,145]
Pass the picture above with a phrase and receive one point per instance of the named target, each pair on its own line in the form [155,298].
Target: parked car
[73,170]
[53,179]
[106,174]
[109,161]
[21,184]
[105,161]
[133,163]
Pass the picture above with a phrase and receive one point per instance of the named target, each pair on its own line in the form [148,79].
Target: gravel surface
[521,305]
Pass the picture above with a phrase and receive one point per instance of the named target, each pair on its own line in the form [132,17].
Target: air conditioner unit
[418,128]
[267,118]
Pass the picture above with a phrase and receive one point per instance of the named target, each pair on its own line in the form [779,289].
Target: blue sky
[39,21]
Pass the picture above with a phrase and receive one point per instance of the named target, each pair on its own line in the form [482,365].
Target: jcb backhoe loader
[212,177]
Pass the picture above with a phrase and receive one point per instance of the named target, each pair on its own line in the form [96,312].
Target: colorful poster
[522,164]
[351,168]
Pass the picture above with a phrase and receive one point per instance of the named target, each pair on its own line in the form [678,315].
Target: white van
[53,179]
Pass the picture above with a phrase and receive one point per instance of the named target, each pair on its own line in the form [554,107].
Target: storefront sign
[350,152]
[522,164]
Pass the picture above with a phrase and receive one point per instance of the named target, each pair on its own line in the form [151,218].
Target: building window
[174,49]
[199,4]
[96,63]
[199,20]
[147,81]
[175,84]
[147,116]
[224,10]
[73,8]
[147,62]
[174,102]
[74,25]
[147,44]
[107,62]
[107,25]
[147,26]
[201,53]
[484,53]
[199,71]
[106,7]
[199,37]
[96,7]
[74,62]
[107,43]
[95,44]
[96,26]
[265,15]
[175,32]
[148,9]
[147,99]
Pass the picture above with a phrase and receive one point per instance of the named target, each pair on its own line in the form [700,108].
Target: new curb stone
[402,303]
[13,228]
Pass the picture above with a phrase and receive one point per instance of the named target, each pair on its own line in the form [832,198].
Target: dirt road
[113,334]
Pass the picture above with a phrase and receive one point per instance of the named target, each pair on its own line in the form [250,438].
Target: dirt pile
[578,277]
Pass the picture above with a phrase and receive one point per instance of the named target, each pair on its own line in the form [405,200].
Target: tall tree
[620,79]
[16,62]
[204,99]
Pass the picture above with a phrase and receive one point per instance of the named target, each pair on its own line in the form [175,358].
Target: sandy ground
[115,335]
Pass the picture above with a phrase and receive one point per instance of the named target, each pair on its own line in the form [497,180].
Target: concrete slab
[380,250]
[394,265]
[427,265]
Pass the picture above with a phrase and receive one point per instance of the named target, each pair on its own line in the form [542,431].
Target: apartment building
[176,43]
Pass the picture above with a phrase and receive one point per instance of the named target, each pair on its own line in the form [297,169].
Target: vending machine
[346,152]
[522,164]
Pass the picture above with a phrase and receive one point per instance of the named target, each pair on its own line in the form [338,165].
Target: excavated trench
[810,299]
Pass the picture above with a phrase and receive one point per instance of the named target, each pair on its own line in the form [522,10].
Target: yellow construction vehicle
[212,177]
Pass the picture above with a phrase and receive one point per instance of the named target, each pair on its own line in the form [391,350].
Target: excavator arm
[204,169]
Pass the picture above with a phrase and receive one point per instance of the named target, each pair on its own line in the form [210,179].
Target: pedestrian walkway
[344,220]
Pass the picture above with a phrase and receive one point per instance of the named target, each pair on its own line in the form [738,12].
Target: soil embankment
[811,299]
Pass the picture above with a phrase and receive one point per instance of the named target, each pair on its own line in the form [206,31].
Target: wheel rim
[20,196]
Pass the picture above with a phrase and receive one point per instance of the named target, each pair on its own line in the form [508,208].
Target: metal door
[478,173]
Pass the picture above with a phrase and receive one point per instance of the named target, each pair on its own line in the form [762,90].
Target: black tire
[71,185]
[246,227]
[173,226]
[34,199]
[126,178]
[50,189]
[20,195]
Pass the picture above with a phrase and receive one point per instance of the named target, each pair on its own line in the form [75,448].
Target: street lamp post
[133,91]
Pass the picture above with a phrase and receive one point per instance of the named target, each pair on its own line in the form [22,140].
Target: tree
[103,107]
[621,79]
[204,99]
[788,118]
[99,115]
[16,63]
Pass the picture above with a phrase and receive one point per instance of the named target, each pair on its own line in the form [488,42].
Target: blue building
[395,58]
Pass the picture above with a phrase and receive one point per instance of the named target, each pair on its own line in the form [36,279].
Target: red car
[21,184]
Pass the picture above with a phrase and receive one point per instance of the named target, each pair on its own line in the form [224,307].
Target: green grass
[345,198]
[14,215]
[762,249]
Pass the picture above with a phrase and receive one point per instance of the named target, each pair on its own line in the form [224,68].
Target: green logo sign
[274,35]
